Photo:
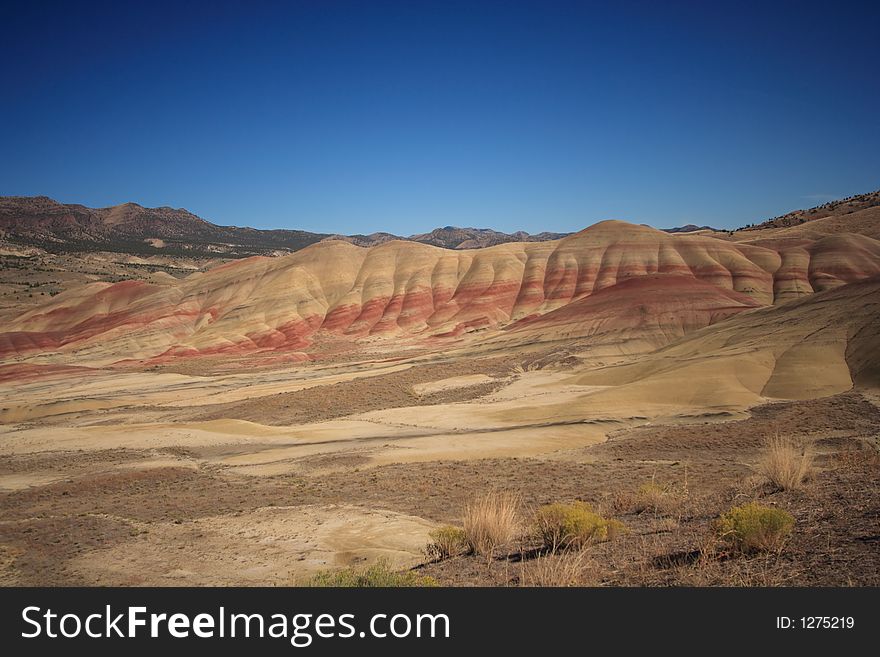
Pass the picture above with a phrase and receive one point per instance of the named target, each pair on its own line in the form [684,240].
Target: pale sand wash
[270,546]
[35,478]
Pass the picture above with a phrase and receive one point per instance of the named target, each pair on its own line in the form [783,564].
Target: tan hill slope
[816,346]
[858,214]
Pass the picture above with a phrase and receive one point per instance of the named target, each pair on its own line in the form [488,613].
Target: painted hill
[417,293]
[638,314]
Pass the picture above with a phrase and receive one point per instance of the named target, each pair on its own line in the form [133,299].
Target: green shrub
[754,528]
[447,541]
[575,525]
[377,575]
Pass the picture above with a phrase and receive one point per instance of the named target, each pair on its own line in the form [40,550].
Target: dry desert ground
[258,421]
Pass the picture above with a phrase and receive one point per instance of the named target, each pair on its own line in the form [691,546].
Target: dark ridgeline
[131,228]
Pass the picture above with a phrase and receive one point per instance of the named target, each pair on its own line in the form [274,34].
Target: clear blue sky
[403,116]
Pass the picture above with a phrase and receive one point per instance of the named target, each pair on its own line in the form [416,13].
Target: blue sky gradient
[354,117]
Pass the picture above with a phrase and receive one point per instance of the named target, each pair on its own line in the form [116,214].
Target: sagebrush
[447,541]
[379,575]
[575,525]
[753,527]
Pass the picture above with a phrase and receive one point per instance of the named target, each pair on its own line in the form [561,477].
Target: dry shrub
[754,528]
[660,499]
[666,524]
[784,465]
[566,569]
[863,456]
[621,501]
[576,525]
[491,521]
[447,541]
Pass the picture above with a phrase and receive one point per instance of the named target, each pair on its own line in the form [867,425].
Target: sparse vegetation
[447,541]
[565,569]
[491,521]
[657,498]
[797,217]
[95,511]
[379,575]
[863,455]
[784,465]
[576,525]
[753,527]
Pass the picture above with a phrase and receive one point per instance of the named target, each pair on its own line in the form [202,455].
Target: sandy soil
[273,546]
[188,515]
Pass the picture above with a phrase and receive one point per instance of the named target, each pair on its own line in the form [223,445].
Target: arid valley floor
[167,420]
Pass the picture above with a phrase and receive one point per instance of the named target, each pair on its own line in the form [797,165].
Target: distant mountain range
[39,221]
[453,237]
[690,228]
[130,228]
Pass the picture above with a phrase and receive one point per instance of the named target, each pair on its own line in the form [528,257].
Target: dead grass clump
[491,521]
[754,528]
[447,541]
[576,525]
[660,499]
[864,456]
[558,570]
[785,465]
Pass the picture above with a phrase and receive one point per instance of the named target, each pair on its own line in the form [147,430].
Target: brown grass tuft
[564,569]
[659,499]
[784,465]
[491,521]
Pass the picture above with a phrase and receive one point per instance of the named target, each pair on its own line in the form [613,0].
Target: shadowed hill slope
[813,347]
[641,312]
